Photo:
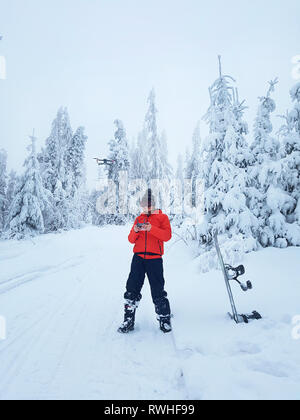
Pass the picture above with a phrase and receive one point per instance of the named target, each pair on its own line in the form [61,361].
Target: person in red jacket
[148,234]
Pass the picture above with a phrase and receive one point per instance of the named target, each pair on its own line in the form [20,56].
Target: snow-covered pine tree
[138,158]
[180,169]
[167,170]
[194,166]
[26,215]
[54,162]
[177,197]
[153,141]
[165,184]
[119,154]
[290,133]
[159,171]
[75,159]
[187,188]
[226,155]
[54,159]
[264,144]
[3,187]
[187,164]
[266,175]
[292,150]
[95,217]
[76,174]
[138,173]
[12,186]
[134,164]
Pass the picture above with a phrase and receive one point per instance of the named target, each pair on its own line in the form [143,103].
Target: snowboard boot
[163,313]
[165,324]
[129,317]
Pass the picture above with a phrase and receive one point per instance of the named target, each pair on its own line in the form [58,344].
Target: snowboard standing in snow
[231,273]
[151,229]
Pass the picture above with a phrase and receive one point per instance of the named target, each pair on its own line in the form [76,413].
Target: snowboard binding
[235,273]
[253,316]
[231,273]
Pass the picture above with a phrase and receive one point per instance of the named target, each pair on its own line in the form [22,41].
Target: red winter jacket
[147,243]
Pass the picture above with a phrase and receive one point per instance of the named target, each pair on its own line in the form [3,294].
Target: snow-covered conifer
[75,187]
[226,155]
[3,187]
[194,166]
[180,169]
[55,156]
[177,199]
[290,177]
[26,215]
[57,177]
[265,146]
[12,186]
[265,175]
[119,152]
[153,140]
[187,164]
[75,157]
[138,158]
[95,217]
[167,170]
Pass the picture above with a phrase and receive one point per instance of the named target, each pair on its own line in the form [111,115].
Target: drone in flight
[101,162]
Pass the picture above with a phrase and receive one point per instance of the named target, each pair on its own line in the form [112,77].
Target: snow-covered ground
[62,294]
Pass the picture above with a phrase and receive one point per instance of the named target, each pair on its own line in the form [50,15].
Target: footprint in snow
[244,347]
[278,370]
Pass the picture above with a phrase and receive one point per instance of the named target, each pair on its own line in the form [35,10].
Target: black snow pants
[155,273]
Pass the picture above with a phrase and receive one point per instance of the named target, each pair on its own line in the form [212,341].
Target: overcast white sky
[100,58]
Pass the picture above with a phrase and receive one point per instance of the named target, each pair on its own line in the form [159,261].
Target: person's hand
[147,227]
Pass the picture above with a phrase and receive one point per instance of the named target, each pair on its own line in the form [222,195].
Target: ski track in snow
[17,281]
[62,299]
[62,320]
